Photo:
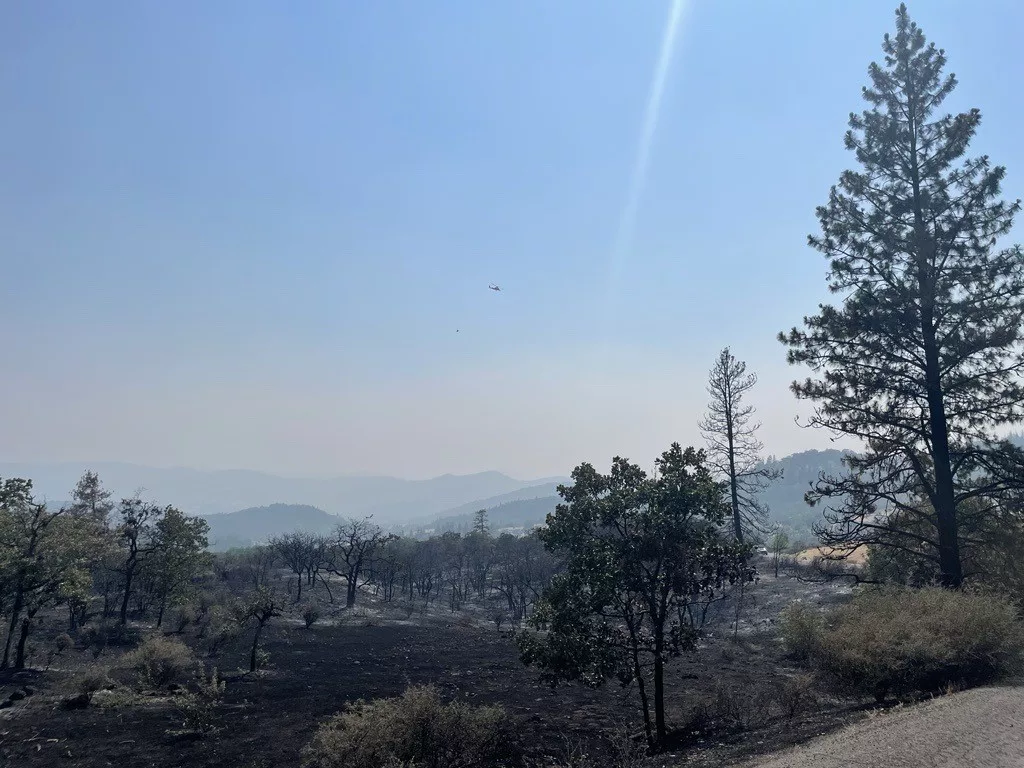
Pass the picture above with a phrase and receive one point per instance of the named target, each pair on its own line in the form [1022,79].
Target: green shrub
[801,626]
[159,661]
[904,641]
[198,708]
[416,729]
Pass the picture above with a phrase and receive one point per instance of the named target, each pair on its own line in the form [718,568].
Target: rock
[17,696]
[6,703]
[28,690]
[81,701]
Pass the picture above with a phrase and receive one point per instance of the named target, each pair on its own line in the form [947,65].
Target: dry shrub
[310,614]
[797,695]
[93,678]
[416,729]
[801,626]
[619,750]
[731,709]
[159,661]
[905,641]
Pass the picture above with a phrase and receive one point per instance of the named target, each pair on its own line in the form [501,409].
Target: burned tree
[734,449]
[348,554]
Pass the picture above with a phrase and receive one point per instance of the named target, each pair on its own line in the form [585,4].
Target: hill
[521,513]
[785,497]
[256,524]
[390,500]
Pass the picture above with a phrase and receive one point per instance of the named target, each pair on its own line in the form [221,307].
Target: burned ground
[267,717]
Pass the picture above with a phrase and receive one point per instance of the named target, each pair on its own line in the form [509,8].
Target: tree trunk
[19,604]
[350,593]
[298,595]
[944,501]
[19,659]
[330,595]
[127,596]
[945,504]
[255,647]
[734,491]
[160,614]
[659,687]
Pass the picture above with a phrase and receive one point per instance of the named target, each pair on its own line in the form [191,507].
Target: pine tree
[922,358]
[733,447]
[91,498]
[480,522]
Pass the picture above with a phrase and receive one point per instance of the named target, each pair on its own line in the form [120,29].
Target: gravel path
[983,727]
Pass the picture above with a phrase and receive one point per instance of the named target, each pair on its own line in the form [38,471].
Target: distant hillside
[464,512]
[390,500]
[256,524]
[785,497]
[522,513]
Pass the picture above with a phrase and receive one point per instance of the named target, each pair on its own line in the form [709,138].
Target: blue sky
[244,234]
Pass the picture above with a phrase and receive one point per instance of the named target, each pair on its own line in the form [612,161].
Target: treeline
[506,573]
[92,555]
[103,563]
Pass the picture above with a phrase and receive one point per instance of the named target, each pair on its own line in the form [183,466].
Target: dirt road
[983,727]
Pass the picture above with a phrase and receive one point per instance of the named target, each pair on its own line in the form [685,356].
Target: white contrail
[627,222]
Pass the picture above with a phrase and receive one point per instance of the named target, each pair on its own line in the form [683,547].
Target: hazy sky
[244,234]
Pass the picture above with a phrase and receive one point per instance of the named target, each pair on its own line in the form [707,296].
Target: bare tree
[733,447]
[260,606]
[349,553]
[299,551]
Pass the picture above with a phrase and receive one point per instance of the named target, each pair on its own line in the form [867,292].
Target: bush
[904,641]
[92,679]
[159,661]
[416,728]
[801,627]
[97,638]
[198,708]
[797,695]
[310,614]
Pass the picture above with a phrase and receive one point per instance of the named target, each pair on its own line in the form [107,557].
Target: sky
[260,235]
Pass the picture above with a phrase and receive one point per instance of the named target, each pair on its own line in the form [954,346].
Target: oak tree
[642,554]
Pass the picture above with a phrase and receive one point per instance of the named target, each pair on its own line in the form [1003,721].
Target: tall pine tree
[922,358]
[733,447]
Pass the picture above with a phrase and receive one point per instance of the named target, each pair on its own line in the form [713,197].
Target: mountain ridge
[204,492]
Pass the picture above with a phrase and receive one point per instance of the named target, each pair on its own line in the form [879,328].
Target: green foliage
[416,729]
[801,626]
[198,708]
[897,642]
[922,358]
[91,499]
[641,556]
[179,555]
[159,661]
[44,560]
